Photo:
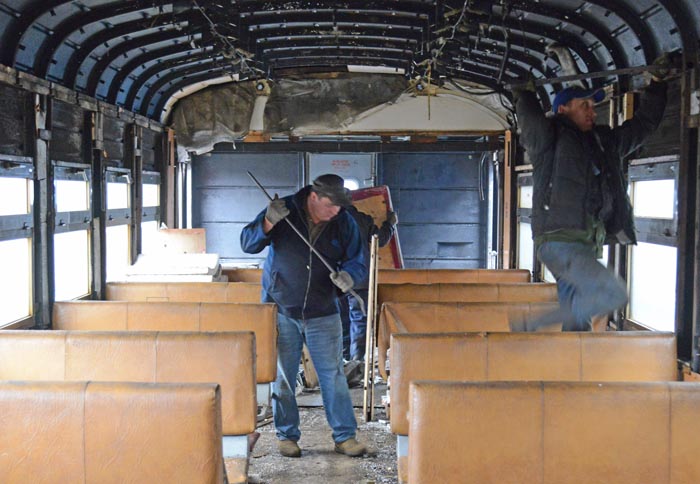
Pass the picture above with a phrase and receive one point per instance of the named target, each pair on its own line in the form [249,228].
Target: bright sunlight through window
[16,280]
[71,264]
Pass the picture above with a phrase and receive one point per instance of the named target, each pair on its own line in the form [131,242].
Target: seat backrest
[243,274]
[407,317]
[110,432]
[226,358]
[433,276]
[554,432]
[242,292]
[467,292]
[610,356]
[178,316]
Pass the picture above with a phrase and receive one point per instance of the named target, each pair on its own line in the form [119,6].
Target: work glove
[528,86]
[661,67]
[343,280]
[391,218]
[276,210]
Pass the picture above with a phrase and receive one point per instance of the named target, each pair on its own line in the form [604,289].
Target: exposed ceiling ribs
[138,53]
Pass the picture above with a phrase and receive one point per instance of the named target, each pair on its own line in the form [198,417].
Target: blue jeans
[358,325]
[585,288]
[323,337]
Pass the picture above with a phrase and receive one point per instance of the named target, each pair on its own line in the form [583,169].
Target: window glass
[525,246]
[71,265]
[525,197]
[117,252]
[15,196]
[151,197]
[117,195]
[654,198]
[547,276]
[15,280]
[149,237]
[653,285]
[351,183]
[71,195]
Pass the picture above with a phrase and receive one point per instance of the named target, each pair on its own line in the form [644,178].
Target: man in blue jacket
[305,293]
[580,197]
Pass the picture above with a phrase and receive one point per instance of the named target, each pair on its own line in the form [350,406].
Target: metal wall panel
[12,121]
[442,219]
[225,199]
[67,124]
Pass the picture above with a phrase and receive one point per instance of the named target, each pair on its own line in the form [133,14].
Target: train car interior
[138,139]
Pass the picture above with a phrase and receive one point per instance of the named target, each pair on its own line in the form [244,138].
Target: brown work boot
[289,448]
[351,447]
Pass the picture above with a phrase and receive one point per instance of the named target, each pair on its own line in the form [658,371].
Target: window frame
[20,226]
[655,231]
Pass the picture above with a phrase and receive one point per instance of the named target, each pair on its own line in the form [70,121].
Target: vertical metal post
[44,209]
[98,205]
[687,270]
[134,161]
[508,202]
[368,394]
[167,179]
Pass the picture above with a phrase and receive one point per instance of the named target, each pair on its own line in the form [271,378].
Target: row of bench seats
[179,316]
[93,432]
[226,358]
[412,276]
[87,324]
[469,431]
[554,432]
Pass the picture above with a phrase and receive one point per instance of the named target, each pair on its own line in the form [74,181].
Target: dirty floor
[319,464]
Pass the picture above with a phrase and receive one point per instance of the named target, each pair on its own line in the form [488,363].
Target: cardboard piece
[376,201]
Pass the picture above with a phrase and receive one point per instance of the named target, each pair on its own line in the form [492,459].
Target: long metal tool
[313,249]
[587,75]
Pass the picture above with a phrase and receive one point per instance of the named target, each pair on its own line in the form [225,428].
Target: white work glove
[276,210]
[343,280]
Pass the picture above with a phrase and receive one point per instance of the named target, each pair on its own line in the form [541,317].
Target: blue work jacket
[293,277]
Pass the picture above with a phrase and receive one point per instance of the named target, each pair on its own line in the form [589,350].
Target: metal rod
[313,249]
[587,75]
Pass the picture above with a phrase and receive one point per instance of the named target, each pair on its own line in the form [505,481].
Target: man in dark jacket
[305,293]
[357,319]
[580,199]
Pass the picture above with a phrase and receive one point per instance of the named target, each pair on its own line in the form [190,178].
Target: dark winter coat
[578,177]
[293,277]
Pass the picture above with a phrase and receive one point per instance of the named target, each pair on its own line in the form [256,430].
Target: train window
[72,225]
[525,196]
[117,195]
[71,264]
[652,262]
[351,183]
[151,212]
[149,237]
[653,285]
[71,195]
[151,195]
[525,246]
[118,254]
[16,280]
[118,251]
[654,198]
[16,196]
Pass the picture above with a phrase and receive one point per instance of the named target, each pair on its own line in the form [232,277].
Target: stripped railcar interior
[125,125]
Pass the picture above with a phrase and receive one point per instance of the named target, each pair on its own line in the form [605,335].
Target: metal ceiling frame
[120,52]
